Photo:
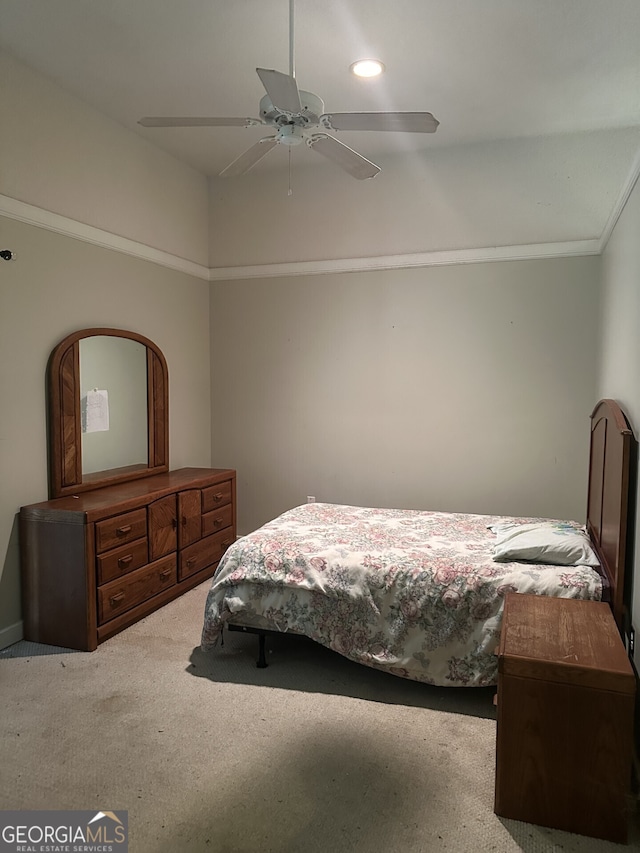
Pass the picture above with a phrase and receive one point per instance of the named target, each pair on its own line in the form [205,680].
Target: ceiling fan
[298,117]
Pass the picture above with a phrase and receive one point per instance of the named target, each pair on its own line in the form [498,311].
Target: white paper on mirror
[96,411]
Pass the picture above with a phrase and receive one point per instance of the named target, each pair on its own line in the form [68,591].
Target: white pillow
[554,542]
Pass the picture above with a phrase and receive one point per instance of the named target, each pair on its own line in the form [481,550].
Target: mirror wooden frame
[65,435]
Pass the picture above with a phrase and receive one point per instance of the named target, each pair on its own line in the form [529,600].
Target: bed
[420,594]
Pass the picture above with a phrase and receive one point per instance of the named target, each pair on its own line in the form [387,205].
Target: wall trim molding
[32,215]
[623,198]
[11,634]
[41,218]
[419,259]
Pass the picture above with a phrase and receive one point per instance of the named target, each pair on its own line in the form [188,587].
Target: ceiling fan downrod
[292,63]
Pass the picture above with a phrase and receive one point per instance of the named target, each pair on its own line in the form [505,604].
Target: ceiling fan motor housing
[309,115]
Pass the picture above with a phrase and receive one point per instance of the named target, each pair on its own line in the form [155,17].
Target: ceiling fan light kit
[297,116]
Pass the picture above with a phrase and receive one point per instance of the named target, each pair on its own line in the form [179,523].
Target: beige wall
[464,388]
[620,360]
[56,286]
[60,155]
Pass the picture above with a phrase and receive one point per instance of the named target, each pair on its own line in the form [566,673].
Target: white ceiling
[489,70]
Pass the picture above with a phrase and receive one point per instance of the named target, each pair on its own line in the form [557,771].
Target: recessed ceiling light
[367,68]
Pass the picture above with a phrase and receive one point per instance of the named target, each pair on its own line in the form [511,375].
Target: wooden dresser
[566,694]
[96,562]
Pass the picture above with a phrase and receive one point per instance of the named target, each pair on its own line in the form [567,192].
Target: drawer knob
[217,496]
[164,575]
[122,531]
[190,562]
[226,543]
[116,599]
[124,561]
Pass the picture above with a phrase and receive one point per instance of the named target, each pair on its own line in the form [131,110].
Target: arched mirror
[108,410]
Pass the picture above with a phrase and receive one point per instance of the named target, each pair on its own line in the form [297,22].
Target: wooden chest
[566,693]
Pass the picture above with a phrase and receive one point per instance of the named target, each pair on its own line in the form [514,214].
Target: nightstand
[566,692]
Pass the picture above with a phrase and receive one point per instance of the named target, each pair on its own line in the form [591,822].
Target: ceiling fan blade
[352,162]
[249,158]
[198,121]
[406,122]
[282,90]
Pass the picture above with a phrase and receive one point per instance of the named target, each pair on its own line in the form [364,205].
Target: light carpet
[314,754]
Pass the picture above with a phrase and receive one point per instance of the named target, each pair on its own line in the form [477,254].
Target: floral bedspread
[411,592]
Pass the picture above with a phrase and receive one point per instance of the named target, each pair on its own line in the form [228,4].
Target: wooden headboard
[608,517]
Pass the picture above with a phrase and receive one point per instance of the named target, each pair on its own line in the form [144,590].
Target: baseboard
[13,634]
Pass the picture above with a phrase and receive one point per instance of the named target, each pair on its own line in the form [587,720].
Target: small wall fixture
[367,68]
[7,255]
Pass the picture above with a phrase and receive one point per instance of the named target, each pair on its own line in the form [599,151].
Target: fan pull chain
[290,191]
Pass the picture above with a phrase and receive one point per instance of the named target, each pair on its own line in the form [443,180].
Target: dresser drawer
[118,562]
[217,520]
[215,496]
[121,529]
[203,553]
[121,595]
